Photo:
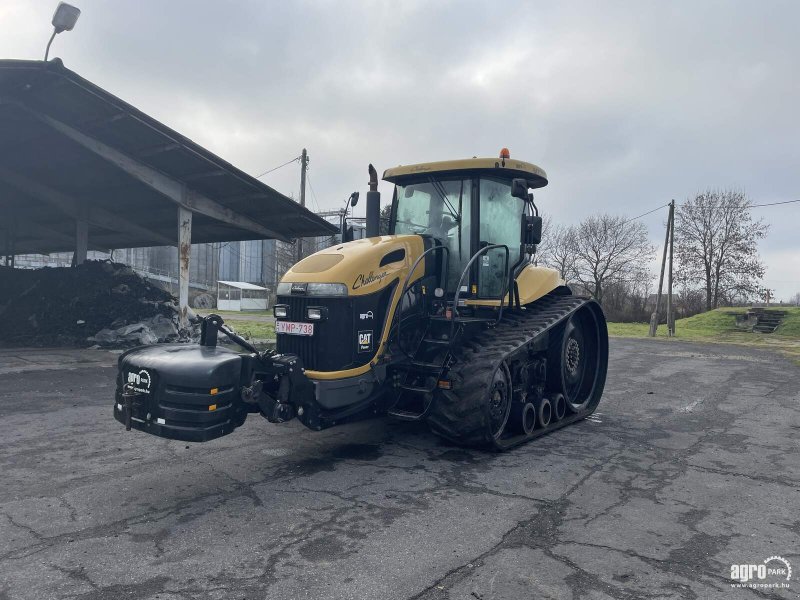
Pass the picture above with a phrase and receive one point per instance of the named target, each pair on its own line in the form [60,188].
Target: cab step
[407,415]
[417,389]
[426,366]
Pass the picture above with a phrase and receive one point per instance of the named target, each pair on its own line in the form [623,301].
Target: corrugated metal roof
[242,285]
[33,149]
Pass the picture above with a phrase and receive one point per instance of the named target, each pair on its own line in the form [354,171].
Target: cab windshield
[434,207]
[439,208]
[443,209]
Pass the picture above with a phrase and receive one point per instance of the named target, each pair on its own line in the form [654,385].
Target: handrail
[503,290]
[411,274]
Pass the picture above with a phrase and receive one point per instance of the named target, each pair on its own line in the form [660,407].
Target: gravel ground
[690,465]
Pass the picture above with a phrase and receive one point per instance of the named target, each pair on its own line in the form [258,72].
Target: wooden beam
[40,234]
[156,150]
[99,217]
[204,175]
[169,187]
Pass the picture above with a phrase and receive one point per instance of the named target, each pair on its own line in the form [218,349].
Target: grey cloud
[625,104]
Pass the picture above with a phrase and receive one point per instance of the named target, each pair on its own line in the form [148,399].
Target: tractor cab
[475,208]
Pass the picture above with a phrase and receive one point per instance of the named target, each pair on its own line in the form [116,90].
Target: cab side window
[501,223]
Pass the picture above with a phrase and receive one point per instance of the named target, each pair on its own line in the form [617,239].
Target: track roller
[559,404]
[544,412]
[523,418]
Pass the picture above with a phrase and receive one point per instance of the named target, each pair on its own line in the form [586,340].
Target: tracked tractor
[444,320]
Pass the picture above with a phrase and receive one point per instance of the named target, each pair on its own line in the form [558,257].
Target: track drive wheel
[479,415]
[574,361]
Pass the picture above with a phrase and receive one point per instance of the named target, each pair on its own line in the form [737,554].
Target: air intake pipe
[373,205]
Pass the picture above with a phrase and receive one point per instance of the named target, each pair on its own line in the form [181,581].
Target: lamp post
[64,19]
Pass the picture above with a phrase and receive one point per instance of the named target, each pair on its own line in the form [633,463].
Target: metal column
[184,257]
[81,241]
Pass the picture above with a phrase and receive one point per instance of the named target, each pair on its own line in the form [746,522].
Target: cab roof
[498,167]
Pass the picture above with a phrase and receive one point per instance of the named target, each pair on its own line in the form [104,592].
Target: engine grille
[330,348]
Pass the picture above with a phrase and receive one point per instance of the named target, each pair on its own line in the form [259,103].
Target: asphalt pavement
[690,465]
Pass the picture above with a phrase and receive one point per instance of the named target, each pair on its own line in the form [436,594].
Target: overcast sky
[624,104]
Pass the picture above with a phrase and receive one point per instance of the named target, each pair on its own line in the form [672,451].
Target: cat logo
[365,341]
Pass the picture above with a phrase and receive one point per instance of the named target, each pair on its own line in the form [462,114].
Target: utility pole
[670,315]
[654,316]
[303,167]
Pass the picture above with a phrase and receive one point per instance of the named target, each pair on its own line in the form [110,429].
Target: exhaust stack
[373,204]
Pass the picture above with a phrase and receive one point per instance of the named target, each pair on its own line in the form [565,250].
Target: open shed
[82,169]
[241,296]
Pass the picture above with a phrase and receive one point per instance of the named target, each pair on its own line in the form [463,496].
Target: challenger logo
[363,280]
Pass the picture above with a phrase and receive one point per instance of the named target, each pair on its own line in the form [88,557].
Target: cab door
[500,223]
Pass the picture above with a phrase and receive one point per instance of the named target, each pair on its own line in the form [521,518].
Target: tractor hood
[363,266]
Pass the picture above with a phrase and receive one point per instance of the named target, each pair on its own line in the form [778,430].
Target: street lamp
[351,201]
[64,19]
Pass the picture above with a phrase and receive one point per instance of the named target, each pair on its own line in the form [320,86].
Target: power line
[647,213]
[288,162]
[774,203]
[313,193]
[742,206]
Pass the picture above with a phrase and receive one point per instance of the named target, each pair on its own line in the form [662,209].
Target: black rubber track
[460,415]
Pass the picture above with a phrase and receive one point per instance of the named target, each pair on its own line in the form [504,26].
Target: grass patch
[239,313]
[254,330]
[719,326]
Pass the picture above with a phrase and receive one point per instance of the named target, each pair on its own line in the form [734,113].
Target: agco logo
[774,572]
[140,382]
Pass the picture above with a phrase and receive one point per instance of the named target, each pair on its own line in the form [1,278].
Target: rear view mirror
[519,188]
[408,192]
[353,198]
[533,229]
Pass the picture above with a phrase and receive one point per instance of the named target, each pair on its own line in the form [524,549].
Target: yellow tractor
[444,320]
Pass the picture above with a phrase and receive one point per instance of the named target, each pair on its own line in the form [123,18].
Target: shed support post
[81,241]
[184,256]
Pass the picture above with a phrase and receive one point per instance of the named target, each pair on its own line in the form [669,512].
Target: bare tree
[610,249]
[795,299]
[543,248]
[558,250]
[716,245]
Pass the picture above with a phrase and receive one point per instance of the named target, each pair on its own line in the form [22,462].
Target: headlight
[326,289]
[316,313]
[311,289]
[281,311]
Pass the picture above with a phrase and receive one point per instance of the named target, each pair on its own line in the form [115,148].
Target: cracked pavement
[689,465]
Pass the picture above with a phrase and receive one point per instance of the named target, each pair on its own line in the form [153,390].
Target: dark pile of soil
[65,306]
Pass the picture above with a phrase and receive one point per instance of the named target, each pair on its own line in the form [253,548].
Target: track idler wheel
[544,412]
[522,418]
[559,404]
[574,362]
[498,402]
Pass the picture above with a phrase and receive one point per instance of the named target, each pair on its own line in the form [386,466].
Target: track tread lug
[458,415]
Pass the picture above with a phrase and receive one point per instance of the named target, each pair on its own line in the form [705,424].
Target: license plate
[293,328]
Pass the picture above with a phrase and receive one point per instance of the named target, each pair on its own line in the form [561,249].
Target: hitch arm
[212,324]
